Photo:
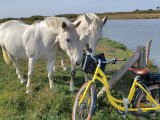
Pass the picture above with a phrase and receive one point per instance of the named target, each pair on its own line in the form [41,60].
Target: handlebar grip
[87,46]
[120,59]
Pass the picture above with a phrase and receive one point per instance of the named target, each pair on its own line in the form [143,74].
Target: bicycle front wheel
[141,101]
[85,110]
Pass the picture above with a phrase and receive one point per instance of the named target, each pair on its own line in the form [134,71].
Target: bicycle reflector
[141,105]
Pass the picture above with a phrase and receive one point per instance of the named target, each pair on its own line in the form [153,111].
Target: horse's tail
[5,56]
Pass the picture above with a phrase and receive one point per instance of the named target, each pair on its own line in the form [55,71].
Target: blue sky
[27,8]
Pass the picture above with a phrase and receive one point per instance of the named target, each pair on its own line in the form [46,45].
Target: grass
[115,44]
[42,103]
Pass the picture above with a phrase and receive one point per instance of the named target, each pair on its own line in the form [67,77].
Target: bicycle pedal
[126,103]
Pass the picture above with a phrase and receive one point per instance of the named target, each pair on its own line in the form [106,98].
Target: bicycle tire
[142,100]
[79,111]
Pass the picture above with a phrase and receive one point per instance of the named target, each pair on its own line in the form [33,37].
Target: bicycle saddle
[139,71]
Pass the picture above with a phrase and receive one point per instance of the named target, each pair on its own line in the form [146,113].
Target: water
[135,32]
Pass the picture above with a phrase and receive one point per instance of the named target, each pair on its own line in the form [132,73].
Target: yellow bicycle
[143,104]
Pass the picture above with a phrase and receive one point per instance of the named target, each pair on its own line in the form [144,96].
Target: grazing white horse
[39,41]
[90,31]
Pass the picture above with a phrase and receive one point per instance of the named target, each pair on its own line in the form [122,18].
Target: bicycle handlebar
[106,61]
[120,59]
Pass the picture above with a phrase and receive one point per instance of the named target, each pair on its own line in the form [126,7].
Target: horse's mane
[36,22]
[56,22]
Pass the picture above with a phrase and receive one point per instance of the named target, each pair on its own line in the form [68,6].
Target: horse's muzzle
[78,63]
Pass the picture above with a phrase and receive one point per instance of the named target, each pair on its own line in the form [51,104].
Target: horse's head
[69,41]
[90,30]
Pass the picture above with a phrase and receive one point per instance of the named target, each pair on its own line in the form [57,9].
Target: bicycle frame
[115,101]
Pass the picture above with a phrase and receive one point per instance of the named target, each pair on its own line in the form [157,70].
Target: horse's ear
[104,20]
[64,25]
[87,19]
[77,24]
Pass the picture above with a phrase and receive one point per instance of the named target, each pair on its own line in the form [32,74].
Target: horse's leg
[50,73]
[54,65]
[15,63]
[86,77]
[31,65]
[73,72]
[62,61]
[17,70]
[19,74]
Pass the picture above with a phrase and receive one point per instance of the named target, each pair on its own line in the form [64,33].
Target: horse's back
[15,25]
[11,37]
[12,30]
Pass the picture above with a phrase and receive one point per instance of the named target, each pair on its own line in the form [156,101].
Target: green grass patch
[43,104]
[114,44]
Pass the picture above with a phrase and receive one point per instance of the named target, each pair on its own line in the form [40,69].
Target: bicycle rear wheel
[142,102]
[85,111]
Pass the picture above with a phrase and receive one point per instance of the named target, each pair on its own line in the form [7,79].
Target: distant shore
[146,14]
[137,14]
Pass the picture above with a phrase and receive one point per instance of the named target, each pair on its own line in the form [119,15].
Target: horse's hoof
[28,91]
[64,69]
[72,90]
[23,81]
[54,90]
[19,77]
[54,69]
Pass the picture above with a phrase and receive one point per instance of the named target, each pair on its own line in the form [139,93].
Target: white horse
[90,31]
[39,41]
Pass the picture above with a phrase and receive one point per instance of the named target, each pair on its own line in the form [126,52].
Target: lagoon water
[135,32]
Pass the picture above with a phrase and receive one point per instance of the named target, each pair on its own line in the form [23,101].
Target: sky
[28,8]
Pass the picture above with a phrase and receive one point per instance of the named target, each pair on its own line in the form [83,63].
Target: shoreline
[144,14]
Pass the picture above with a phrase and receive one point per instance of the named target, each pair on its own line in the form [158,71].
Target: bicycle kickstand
[126,103]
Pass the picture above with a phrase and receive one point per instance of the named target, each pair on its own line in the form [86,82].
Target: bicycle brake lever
[114,61]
